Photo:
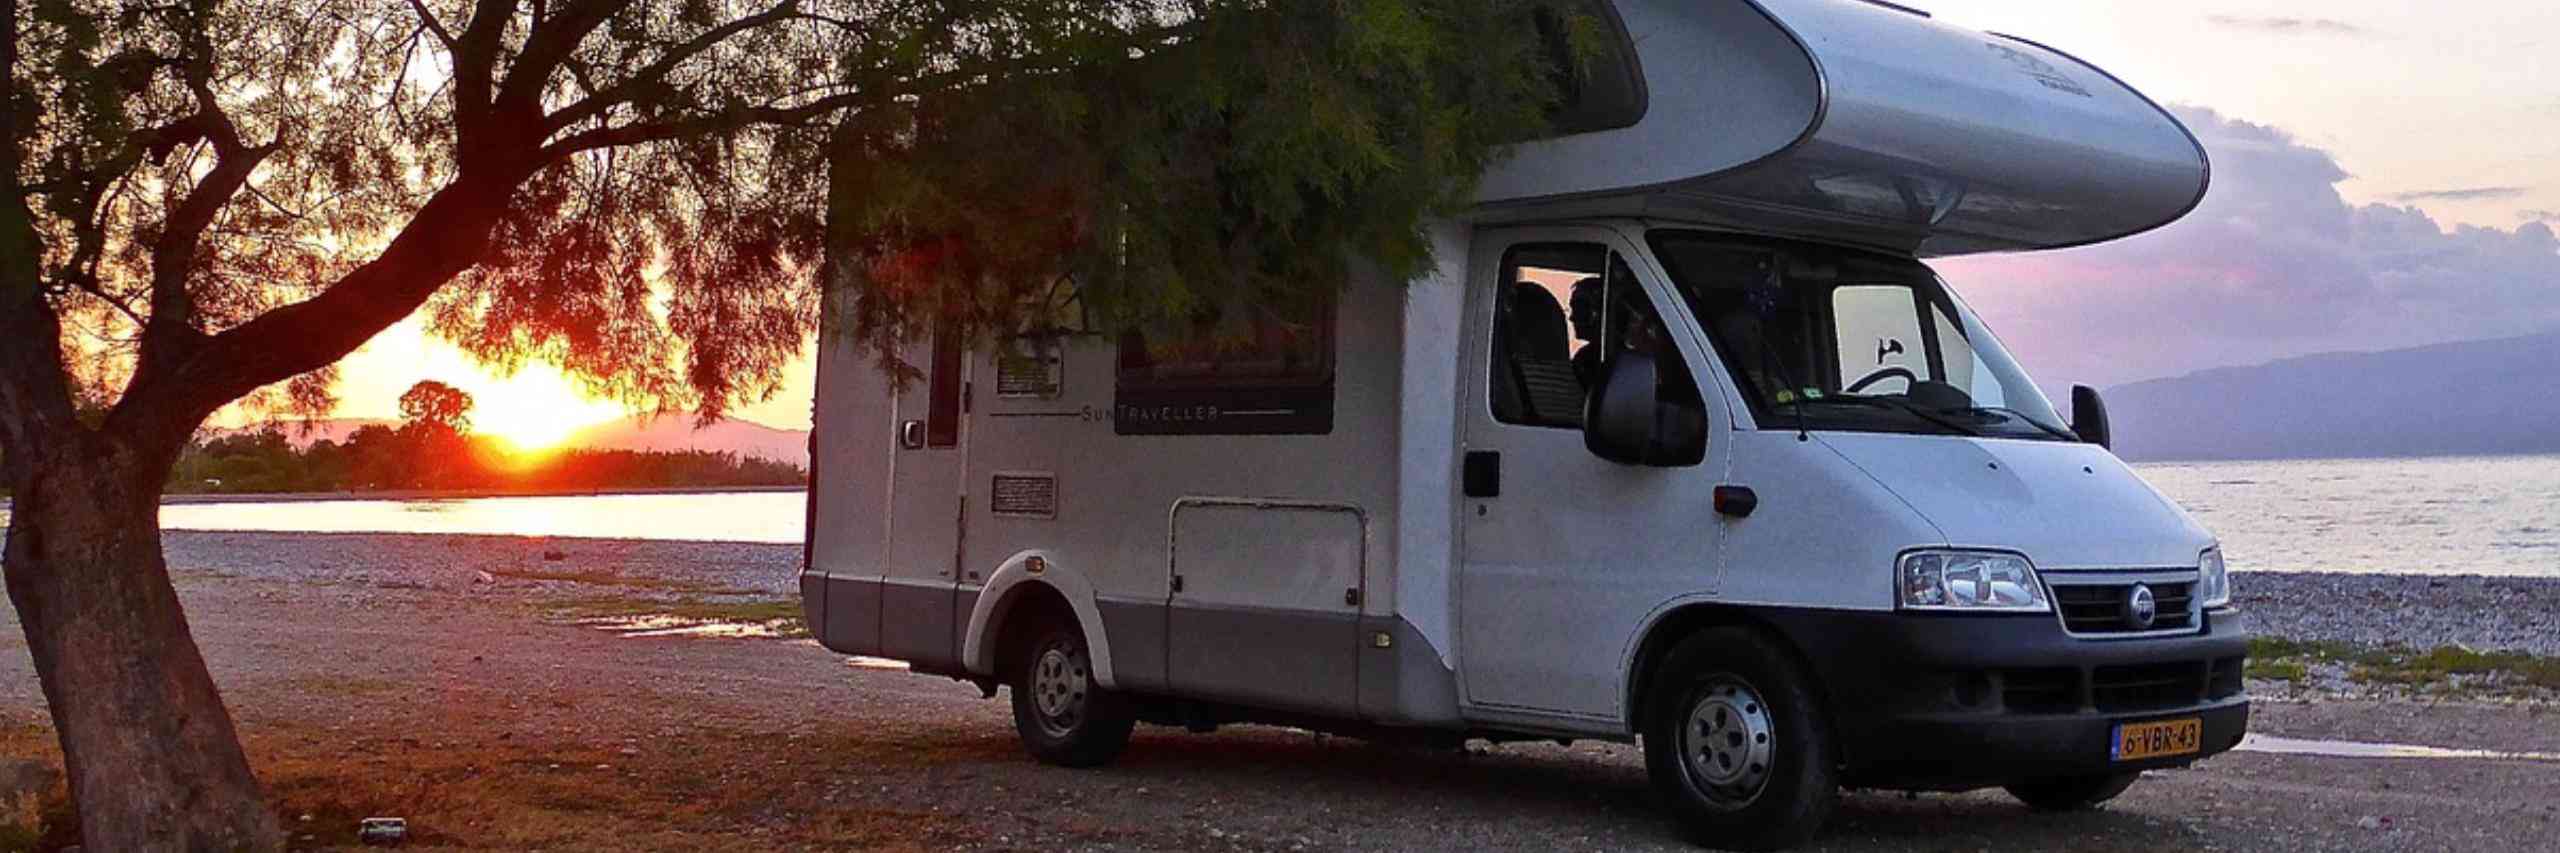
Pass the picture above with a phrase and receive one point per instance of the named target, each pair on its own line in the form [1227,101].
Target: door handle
[911,435]
[1482,474]
[1737,501]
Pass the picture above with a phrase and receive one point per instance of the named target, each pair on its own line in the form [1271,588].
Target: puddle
[670,626]
[2274,745]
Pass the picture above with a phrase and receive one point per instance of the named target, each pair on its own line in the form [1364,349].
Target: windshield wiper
[1894,405]
[2014,414]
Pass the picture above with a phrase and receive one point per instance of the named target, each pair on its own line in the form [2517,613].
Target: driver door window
[1562,308]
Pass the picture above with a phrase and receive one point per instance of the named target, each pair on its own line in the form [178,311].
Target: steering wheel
[1881,375]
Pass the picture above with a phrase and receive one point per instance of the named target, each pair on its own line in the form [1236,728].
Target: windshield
[1835,339]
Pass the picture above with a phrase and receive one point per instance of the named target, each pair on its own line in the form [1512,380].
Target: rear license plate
[2138,741]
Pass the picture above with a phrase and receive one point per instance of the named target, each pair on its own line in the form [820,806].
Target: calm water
[2498,516]
[717,517]
[2468,515]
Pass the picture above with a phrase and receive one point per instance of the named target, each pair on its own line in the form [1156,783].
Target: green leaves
[1243,156]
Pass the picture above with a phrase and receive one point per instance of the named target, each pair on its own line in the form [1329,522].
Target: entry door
[1563,553]
[920,588]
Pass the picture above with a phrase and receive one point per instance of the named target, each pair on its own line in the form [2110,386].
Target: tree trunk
[154,761]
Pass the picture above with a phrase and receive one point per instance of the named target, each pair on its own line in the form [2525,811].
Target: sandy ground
[372,683]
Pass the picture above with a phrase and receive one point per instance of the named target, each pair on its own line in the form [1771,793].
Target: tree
[212,200]
[437,404]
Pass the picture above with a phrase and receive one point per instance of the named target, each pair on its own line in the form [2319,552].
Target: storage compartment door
[1266,603]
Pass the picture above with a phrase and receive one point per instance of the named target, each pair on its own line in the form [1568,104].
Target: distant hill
[747,439]
[2476,397]
[676,432]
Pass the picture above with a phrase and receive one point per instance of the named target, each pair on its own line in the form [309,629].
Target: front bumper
[1954,702]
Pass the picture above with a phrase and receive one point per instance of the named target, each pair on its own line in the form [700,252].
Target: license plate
[2138,741]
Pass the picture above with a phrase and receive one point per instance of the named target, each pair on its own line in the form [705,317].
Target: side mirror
[2089,417]
[1626,422]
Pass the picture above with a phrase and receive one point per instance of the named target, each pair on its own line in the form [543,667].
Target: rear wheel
[1735,744]
[2072,793]
[1064,716]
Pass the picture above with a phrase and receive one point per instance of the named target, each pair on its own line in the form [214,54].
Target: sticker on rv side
[1037,374]
[2041,71]
[1024,494]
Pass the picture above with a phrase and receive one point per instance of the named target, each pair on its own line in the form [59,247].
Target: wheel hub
[1730,743]
[1060,678]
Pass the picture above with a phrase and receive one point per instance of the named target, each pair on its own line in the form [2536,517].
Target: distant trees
[434,403]
[424,456]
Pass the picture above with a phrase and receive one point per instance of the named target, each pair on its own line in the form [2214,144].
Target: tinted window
[1594,67]
[1248,369]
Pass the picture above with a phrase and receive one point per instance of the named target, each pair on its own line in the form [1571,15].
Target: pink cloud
[2275,263]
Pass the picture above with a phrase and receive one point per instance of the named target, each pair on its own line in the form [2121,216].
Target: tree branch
[634,134]
[629,87]
[554,38]
[428,20]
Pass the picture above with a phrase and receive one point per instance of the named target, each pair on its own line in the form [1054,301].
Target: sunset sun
[535,409]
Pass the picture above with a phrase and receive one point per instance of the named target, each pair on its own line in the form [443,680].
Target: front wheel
[1064,716]
[2073,793]
[1735,744]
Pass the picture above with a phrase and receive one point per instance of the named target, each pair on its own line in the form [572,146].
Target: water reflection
[707,517]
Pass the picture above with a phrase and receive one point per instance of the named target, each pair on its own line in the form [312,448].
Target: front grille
[2098,608]
[2040,691]
[2128,688]
[2148,687]
[2228,678]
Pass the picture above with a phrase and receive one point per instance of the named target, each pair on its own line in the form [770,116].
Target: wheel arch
[1680,622]
[1033,579]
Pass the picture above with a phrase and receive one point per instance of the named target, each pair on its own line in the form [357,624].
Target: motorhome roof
[1854,121]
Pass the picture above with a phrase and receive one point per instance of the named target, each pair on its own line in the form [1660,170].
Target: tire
[2072,793]
[1766,771]
[1064,718]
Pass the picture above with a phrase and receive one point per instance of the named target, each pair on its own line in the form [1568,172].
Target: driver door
[1564,554]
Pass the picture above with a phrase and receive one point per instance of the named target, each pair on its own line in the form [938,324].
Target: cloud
[2463,194]
[2539,215]
[2274,264]
[2290,26]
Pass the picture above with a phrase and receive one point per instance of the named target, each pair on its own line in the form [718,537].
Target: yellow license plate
[2138,741]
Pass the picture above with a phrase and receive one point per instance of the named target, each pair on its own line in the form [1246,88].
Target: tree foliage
[1177,165]
[206,200]
[436,404]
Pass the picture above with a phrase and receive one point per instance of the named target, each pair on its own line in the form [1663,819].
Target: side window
[1534,341]
[1561,309]
[1593,65]
[1246,369]
[1879,345]
[942,391]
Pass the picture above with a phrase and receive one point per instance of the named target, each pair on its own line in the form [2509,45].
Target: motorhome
[1682,443]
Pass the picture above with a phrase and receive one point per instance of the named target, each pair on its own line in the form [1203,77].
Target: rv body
[1404,514]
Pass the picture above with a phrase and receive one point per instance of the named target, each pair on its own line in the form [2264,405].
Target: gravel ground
[393,657]
[2510,614]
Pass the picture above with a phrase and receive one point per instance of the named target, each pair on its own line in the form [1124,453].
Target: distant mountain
[677,432]
[2477,397]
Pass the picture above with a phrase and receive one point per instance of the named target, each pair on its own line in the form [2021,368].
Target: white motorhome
[1680,443]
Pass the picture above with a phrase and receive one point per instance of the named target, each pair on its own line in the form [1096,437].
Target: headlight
[2213,580]
[1976,581]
